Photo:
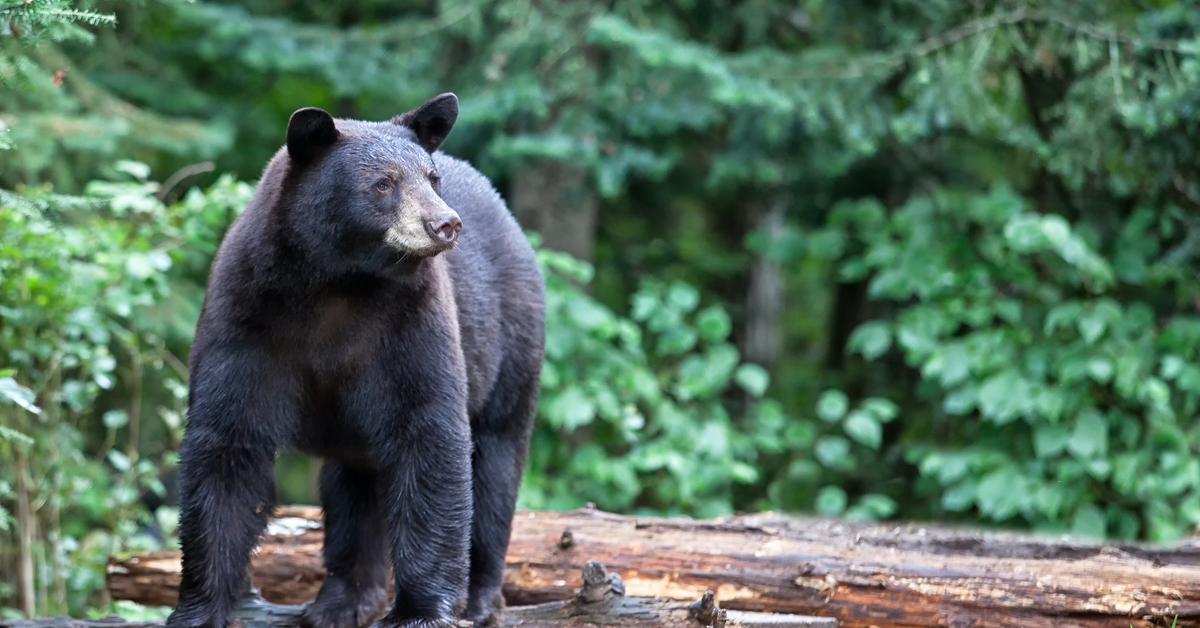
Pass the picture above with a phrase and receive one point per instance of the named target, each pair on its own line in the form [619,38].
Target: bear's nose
[444,229]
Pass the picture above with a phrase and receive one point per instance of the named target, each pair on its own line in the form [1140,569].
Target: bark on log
[600,601]
[882,575]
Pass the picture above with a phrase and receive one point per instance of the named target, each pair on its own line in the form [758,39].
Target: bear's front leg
[237,415]
[227,492]
[425,470]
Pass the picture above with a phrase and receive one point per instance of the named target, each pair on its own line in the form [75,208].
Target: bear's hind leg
[355,590]
[501,439]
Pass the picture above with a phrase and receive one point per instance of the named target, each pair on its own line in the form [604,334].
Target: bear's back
[498,287]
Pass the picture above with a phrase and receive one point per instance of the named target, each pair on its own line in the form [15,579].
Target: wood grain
[862,574]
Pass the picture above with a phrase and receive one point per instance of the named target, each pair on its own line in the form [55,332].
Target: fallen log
[862,574]
[600,601]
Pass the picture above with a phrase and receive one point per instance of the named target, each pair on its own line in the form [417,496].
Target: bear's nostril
[445,230]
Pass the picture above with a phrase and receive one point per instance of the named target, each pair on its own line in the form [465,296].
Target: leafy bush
[86,289]
[977,219]
[641,412]
[1085,393]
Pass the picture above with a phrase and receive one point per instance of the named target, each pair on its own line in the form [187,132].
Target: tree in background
[93,317]
[67,126]
[960,237]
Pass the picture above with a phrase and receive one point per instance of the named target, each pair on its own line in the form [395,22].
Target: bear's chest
[338,342]
[342,338]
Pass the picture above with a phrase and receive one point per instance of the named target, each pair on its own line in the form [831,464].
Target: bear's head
[368,193]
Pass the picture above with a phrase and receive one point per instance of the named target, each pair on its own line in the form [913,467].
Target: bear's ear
[432,121]
[310,131]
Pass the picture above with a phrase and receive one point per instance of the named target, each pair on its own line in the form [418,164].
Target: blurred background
[929,260]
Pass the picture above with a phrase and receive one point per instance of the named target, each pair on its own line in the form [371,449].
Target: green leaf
[1155,392]
[676,341]
[831,501]
[874,506]
[1049,403]
[1001,494]
[1049,440]
[1048,498]
[1189,379]
[864,428]
[139,266]
[683,297]
[1088,522]
[550,377]
[118,460]
[1023,233]
[948,468]
[882,409]
[832,451]
[743,473]
[832,405]
[871,339]
[115,419]
[159,260]
[959,497]
[1172,366]
[1190,509]
[1090,436]
[961,401]
[1004,397]
[18,394]
[13,436]
[1100,369]
[135,169]
[572,408]
[1055,229]
[753,379]
[1061,316]
[799,434]
[1096,319]
[588,314]
[951,365]
[713,324]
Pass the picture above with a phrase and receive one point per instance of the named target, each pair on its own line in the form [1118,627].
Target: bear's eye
[383,185]
[435,178]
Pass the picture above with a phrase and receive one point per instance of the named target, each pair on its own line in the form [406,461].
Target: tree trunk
[862,574]
[765,295]
[556,200]
[25,528]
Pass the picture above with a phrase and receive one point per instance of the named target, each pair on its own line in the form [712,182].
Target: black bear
[347,316]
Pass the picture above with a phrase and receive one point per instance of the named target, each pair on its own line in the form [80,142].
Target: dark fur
[414,375]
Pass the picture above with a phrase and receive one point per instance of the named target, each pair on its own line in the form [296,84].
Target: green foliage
[83,286]
[59,119]
[639,412]
[980,218]
[1079,375]
[1043,300]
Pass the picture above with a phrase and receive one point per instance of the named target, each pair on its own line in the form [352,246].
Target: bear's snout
[445,228]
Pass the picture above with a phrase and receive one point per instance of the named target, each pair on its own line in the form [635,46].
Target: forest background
[929,260]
